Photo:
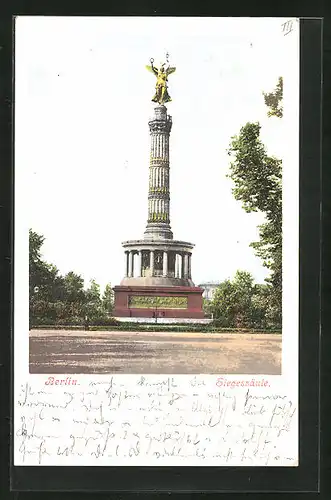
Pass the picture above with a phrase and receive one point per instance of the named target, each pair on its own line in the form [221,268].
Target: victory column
[160,284]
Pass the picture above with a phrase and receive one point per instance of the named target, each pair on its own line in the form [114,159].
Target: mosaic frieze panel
[148,302]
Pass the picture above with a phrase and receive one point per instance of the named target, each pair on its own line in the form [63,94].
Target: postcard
[156,241]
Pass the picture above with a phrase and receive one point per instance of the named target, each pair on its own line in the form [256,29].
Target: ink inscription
[153,420]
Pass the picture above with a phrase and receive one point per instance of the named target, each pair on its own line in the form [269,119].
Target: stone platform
[165,321]
[158,301]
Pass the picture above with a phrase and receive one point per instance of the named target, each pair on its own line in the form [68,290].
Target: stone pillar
[130,264]
[182,274]
[186,265]
[189,266]
[126,264]
[140,261]
[165,264]
[151,262]
[159,194]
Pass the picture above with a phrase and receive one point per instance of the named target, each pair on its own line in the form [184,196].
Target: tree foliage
[257,179]
[42,276]
[240,303]
[108,299]
[273,100]
[73,285]
[62,299]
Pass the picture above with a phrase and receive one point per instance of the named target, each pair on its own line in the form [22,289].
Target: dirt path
[60,351]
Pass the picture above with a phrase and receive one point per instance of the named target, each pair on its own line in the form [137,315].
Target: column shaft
[186,266]
[160,127]
[182,266]
[151,262]
[126,264]
[140,263]
[130,264]
[176,265]
[165,264]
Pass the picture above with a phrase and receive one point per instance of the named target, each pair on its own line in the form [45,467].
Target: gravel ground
[61,351]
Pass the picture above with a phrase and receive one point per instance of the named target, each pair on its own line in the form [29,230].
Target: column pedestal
[166,302]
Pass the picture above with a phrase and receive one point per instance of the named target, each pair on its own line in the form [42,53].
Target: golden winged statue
[161,89]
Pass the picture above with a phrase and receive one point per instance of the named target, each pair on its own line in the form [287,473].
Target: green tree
[207,307]
[92,294]
[273,100]
[108,299]
[42,276]
[74,287]
[223,305]
[260,307]
[93,302]
[45,283]
[257,179]
[35,243]
[240,303]
[62,299]
[52,296]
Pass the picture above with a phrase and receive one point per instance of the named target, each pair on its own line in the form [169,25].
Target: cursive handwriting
[154,420]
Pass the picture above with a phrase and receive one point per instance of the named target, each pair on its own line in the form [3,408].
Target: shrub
[143,327]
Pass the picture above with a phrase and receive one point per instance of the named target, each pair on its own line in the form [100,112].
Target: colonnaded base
[158,302]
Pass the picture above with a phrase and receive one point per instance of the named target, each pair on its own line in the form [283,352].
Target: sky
[82,105]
